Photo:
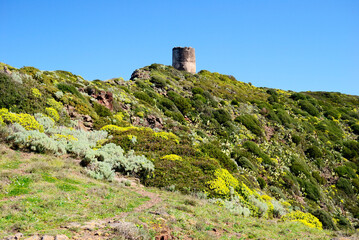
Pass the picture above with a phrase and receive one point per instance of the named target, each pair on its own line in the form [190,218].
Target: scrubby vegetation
[256,152]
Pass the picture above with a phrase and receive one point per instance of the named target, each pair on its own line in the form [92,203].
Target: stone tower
[184,58]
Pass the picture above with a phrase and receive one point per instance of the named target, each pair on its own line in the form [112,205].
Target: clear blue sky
[292,45]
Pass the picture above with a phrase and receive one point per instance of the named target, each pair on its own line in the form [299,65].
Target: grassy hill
[48,195]
[262,153]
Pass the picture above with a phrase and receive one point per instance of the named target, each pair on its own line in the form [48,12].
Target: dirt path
[99,229]
[154,200]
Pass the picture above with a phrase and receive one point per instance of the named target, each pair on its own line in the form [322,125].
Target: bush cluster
[103,161]
[253,148]
[251,123]
[305,218]
[25,120]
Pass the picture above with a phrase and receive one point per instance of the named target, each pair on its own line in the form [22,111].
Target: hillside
[266,154]
[54,197]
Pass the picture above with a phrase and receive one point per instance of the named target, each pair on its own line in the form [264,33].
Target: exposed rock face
[184,58]
[105,98]
[71,111]
[154,121]
[85,122]
[141,74]
[6,70]
[151,121]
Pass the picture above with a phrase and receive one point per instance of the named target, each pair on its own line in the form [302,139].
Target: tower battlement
[184,58]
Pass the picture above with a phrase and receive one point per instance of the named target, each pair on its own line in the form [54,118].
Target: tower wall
[184,58]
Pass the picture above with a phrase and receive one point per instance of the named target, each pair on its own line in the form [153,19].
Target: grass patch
[205,220]
[49,198]
[19,185]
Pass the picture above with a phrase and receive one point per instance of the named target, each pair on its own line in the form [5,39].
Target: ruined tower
[184,58]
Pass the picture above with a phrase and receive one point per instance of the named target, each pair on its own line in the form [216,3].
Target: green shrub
[141,84]
[144,97]
[313,152]
[252,147]
[284,118]
[298,96]
[298,167]
[345,185]
[262,183]
[198,98]
[71,89]
[159,81]
[332,113]
[271,115]
[350,149]
[197,90]
[308,107]
[177,116]
[168,104]
[272,92]
[355,128]
[210,99]
[250,122]
[296,139]
[178,173]
[183,104]
[222,116]
[234,102]
[211,150]
[245,163]
[343,223]
[345,171]
[321,180]
[290,182]
[355,183]
[330,128]
[101,110]
[311,189]
[325,219]
[18,97]
[273,99]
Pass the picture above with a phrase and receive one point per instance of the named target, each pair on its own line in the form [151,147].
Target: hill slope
[52,197]
[269,151]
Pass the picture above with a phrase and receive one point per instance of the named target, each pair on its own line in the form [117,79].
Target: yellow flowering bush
[246,192]
[167,136]
[266,198]
[118,116]
[66,137]
[219,187]
[172,157]
[25,120]
[1,121]
[36,93]
[51,112]
[305,218]
[113,129]
[285,204]
[222,182]
[130,136]
[101,142]
[55,104]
